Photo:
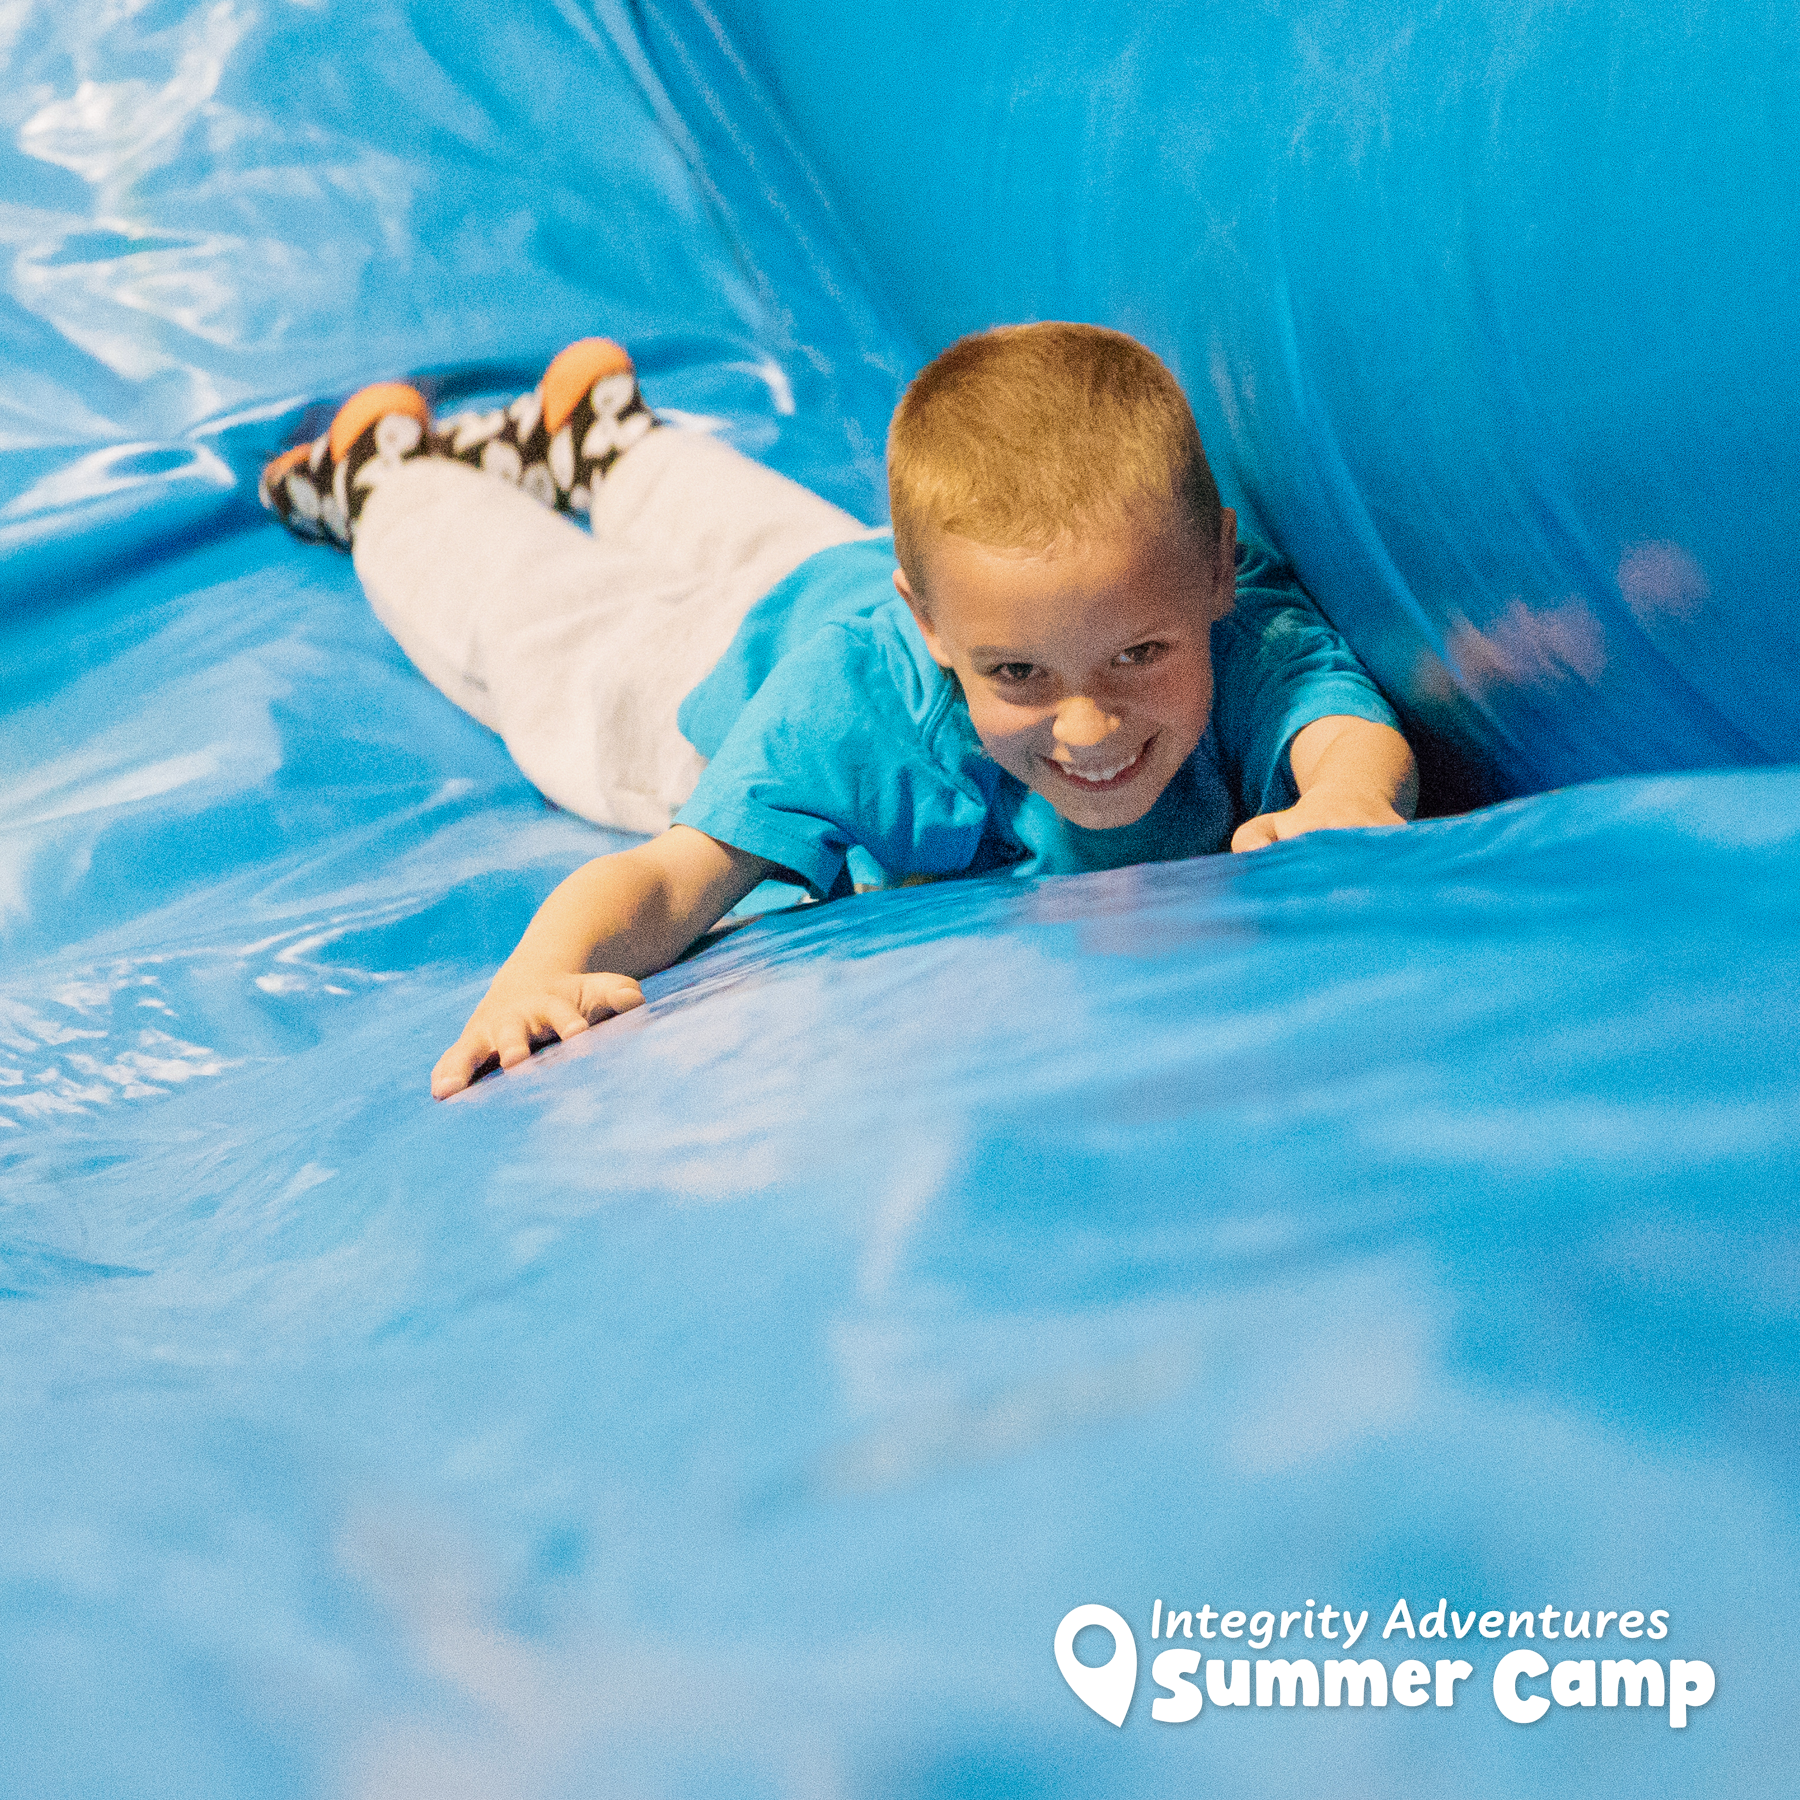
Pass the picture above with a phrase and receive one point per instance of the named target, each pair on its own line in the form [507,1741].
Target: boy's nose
[1081,724]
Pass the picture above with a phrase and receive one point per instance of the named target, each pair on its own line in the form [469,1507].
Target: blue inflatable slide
[1325,1321]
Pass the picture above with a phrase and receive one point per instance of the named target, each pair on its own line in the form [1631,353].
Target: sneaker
[317,490]
[563,436]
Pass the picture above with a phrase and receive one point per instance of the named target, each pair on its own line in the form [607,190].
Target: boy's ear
[922,619]
[1225,577]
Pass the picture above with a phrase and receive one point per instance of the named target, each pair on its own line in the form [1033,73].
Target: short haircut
[1026,436]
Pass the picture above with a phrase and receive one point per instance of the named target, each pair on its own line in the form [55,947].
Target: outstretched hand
[1350,772]
[633,909]
[511,1022]
[1317,811]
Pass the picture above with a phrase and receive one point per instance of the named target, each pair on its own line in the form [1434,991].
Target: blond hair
[1024,436]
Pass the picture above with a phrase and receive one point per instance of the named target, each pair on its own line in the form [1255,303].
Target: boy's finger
[450,1076]
[512,1038]
[601,994]
[569,1021]
[1253,834]
[458,1066]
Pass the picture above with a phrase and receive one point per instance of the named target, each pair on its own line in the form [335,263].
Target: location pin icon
[1108,1688]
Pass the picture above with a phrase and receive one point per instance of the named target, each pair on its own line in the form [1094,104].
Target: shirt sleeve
[835,749]
[1277,666]
[844,582]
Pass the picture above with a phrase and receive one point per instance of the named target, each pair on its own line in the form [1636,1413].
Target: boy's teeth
[1101,774]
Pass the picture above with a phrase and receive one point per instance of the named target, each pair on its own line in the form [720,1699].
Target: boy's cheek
[1180,703]
[1013,754]
[1200,698]
[1005,731]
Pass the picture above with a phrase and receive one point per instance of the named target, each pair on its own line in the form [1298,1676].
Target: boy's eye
[1140,653]
[1011,673]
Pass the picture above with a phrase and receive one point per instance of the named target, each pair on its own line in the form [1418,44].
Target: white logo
[1108,1688]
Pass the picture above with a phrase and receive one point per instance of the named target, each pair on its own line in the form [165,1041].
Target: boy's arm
[614,920]
[1349,772]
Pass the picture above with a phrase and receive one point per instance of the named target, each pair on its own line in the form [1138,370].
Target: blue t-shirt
[829,730]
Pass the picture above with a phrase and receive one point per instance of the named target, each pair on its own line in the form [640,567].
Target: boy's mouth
[1100,777]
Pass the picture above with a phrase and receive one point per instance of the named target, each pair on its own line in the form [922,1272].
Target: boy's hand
[615,919]
[1320,812]
[1350,773]
[509,1024]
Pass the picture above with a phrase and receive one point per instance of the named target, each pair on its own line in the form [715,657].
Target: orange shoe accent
[367,405]
[288,459]
[573,371]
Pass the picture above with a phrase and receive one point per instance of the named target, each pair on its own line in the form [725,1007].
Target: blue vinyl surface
[1485,311]
[734,1402]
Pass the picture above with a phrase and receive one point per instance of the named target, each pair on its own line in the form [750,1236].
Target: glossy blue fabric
[735,1401]
[1484,311]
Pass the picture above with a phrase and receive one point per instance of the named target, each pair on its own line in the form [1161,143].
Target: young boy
[1034,692]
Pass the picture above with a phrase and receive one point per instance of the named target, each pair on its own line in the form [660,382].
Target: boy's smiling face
[1088,671]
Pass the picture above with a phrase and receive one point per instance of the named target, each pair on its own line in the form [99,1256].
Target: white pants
[576,648]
